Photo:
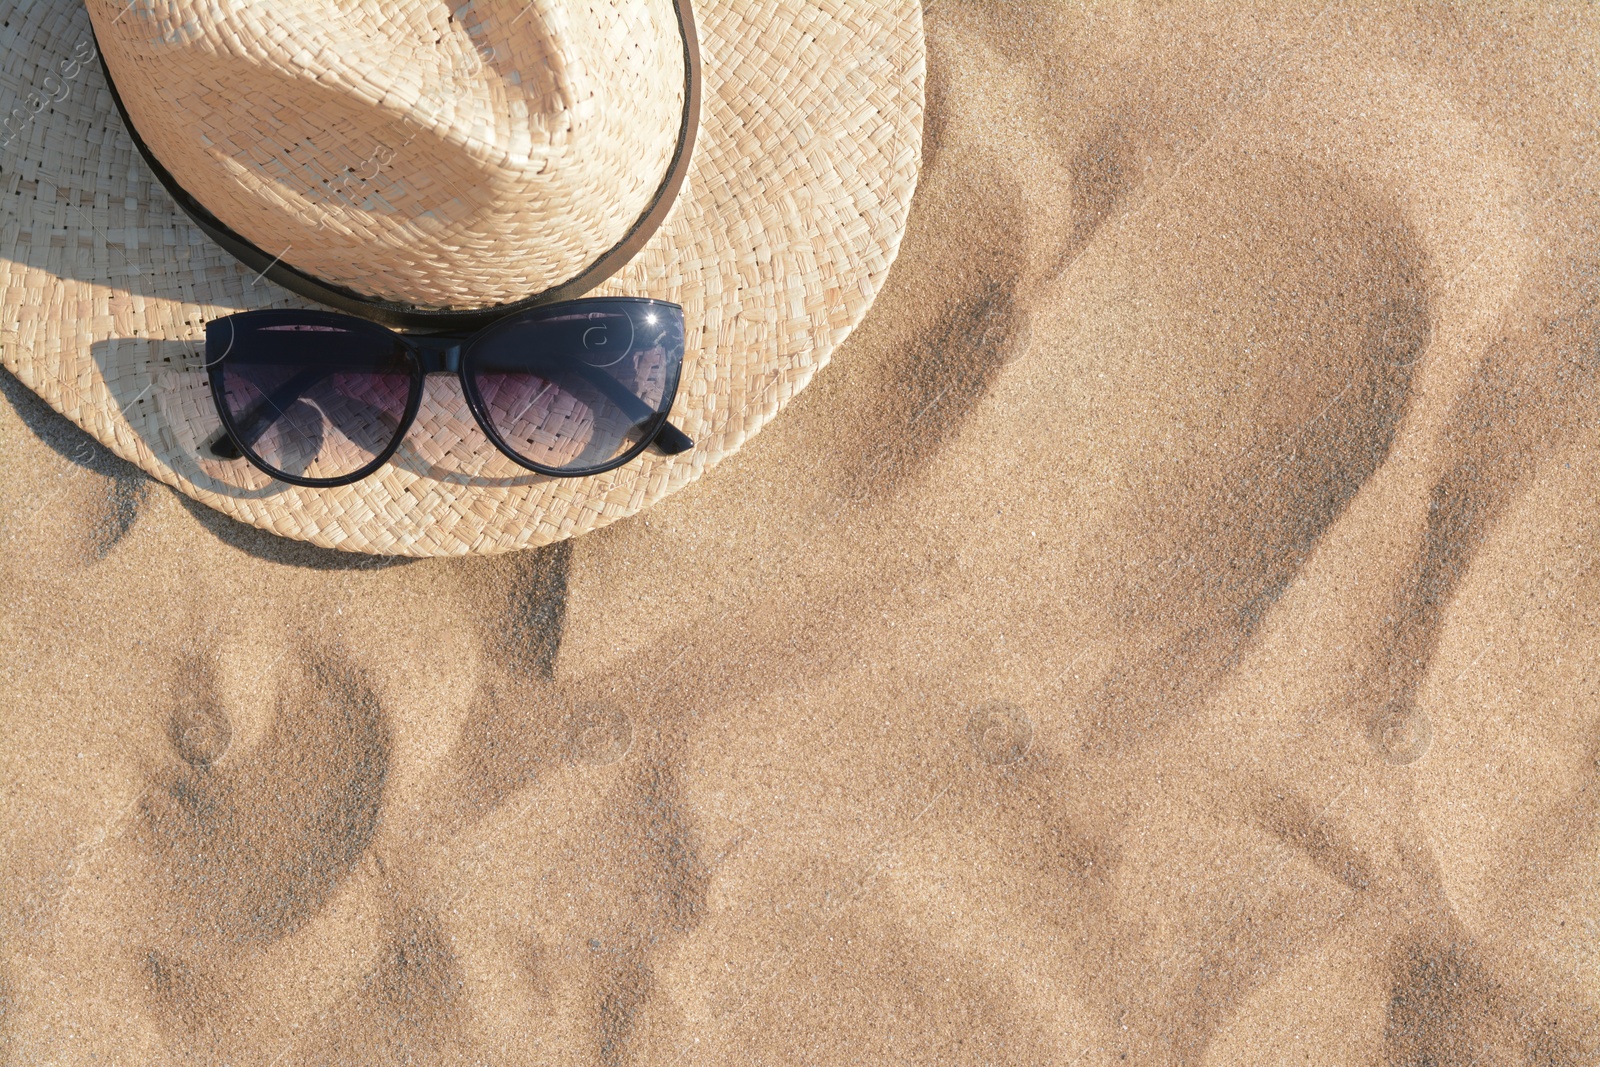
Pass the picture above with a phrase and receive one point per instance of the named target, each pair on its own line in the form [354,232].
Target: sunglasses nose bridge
[439,355]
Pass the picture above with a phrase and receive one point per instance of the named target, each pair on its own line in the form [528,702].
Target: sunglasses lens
[577,386]
[310,398]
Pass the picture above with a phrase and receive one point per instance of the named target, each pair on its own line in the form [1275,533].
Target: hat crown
[425,153]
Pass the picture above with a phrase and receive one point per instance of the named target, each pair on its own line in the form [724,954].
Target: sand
[1165,634]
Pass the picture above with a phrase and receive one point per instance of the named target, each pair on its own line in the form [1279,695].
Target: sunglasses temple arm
[669,439]
[252,426]
[221,446]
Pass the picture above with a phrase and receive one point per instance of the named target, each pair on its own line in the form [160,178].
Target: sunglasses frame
[438,353]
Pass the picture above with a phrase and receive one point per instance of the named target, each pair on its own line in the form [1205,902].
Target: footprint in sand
[200,730]
[244,845]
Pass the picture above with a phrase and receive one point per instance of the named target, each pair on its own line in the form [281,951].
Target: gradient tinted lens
[577,386]
[311,396]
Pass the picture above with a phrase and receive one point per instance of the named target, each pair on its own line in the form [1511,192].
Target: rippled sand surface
[1165,635]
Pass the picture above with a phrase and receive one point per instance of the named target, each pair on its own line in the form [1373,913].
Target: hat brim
[786,226]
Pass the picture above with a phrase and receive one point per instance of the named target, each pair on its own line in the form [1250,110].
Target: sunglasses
[321,399]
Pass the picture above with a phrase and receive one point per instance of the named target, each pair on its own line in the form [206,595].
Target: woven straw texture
[436,163]
[790,216]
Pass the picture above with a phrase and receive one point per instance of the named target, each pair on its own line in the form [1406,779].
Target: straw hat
[440,162]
